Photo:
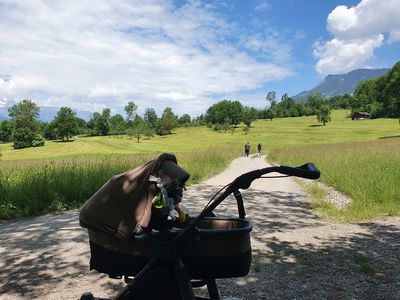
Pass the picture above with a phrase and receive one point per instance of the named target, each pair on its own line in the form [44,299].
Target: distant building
[361,115]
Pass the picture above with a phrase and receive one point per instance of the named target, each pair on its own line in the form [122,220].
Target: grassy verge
[368,172]
[39,186]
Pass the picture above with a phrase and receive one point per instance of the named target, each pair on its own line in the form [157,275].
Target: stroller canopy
[122,206]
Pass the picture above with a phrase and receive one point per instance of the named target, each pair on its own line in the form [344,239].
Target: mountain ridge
[340,84]
[47,113]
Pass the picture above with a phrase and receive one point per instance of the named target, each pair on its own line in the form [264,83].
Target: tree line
[25,129]
[226,115]
[380,97]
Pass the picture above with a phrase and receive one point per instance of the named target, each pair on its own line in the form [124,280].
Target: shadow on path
[295,255]
[358,266]
[34,252]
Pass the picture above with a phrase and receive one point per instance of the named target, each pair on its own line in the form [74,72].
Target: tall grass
[34,187]
[369,172]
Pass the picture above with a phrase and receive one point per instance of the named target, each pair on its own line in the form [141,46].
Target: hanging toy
[162,201]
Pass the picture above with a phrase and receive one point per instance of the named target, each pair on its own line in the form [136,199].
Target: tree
[148,132]
[340,101]
[365,96]
[226,125]
[315,100]
[50,131]
[100,123]
[138,127]
[271,96]
[82,126]
[104,124]
[287,107]
[5,131]
[249,115]
[271,112]
[199,120]
[130,110]
[390,96]
[184,120]
[167,122]
[218,112]
[324,114]
[117,124]
[150,118]
[379,96]
[25,125]
[284,97]
[65,122]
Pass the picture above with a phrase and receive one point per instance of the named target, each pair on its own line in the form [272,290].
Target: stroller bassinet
[123,241]
[221,250]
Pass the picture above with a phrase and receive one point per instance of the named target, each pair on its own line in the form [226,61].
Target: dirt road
[295,254]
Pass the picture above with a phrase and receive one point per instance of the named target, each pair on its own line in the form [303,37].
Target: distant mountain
[341,84]
[3,113]
[47,113]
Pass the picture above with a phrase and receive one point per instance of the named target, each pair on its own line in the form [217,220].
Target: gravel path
[295,254]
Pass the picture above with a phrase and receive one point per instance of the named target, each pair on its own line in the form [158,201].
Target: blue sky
[92,54]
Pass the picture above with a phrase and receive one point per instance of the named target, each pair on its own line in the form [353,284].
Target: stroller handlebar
[308,170]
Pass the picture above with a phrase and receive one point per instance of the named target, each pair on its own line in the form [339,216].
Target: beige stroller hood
[122,206]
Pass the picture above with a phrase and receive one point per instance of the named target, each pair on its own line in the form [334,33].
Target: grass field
[368,172]
[281,137]
[279,133]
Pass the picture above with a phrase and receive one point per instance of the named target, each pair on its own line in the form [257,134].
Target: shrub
[38,141]
[217,127]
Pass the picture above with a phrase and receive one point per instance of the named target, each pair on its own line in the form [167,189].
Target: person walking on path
[259,147]
[246,149]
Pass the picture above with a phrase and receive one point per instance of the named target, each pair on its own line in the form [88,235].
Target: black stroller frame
[167,269]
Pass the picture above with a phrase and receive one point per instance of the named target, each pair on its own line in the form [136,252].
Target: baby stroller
[129,236]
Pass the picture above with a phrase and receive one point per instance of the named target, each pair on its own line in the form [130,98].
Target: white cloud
[357,32]
[262,5]
[269,45]
[394,36]
[338,56]
[102,53]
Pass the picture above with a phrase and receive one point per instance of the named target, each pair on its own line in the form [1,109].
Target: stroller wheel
[87,296]
[127,279]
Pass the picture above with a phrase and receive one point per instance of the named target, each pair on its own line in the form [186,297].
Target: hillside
[341,84]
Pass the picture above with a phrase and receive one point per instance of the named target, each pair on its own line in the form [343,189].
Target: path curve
[295,254]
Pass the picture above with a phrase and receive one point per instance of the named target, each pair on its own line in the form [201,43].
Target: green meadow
[51,174]
[279,133]
[368,172]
